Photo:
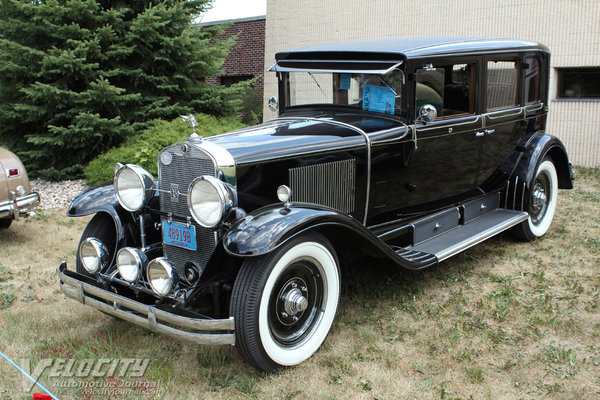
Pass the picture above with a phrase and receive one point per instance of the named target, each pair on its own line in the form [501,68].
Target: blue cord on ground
[11,362]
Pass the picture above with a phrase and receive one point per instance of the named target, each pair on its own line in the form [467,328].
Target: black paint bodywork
[406,169]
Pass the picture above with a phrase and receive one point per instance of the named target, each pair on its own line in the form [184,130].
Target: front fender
[101,198]
[267,228]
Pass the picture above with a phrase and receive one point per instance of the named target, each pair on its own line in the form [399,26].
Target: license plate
[179,235]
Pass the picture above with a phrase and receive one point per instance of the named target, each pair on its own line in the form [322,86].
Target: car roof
[408,48]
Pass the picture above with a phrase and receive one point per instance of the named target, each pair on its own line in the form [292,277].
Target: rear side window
[501,84]
[532,80]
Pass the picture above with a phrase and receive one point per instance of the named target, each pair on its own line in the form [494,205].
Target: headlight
[160,276]
[130,262]
[93,255]
[134,186]
[208,200]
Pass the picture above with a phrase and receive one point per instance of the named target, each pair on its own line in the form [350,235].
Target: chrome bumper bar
[145,315]
[21,206]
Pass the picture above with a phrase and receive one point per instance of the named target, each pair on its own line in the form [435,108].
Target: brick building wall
[246,59]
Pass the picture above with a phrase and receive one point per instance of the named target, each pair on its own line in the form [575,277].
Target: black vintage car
[408,149]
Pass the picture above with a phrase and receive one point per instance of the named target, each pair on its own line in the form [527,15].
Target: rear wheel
[543,195]
[101,227]
[284,303]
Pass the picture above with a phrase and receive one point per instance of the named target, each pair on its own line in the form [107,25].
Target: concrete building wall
[569,28]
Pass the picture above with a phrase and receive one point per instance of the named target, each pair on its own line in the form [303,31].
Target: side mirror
[273,103]
[427,113]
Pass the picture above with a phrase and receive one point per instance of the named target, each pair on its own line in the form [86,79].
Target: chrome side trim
[503,114]
[147,316]
[450,125]
[367,140]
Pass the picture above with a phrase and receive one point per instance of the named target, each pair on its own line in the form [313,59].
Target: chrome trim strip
[440,126]
[472,241]
[368,142]
[151,317]
[500,114]
[534,107]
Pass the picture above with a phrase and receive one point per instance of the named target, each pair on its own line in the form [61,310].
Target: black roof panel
[407,48]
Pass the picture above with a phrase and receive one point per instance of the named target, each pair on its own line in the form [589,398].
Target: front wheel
[5,223]
[543,194]
[284,303]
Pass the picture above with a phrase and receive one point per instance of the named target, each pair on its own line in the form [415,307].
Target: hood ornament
[194,137]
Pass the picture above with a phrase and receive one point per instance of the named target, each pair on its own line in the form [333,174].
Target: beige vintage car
[16,198]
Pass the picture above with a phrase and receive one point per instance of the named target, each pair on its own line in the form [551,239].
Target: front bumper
[211,331]
[21,206]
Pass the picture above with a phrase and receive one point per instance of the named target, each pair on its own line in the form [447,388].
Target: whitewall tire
[543,194]
[284,303]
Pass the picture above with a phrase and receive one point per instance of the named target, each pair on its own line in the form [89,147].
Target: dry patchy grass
[503,320]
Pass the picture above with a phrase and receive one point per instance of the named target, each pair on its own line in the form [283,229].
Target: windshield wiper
[386,84]
[314,79]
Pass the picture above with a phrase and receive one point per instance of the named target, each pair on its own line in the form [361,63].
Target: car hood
[284,138]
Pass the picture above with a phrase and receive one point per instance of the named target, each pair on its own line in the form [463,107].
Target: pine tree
[79,76]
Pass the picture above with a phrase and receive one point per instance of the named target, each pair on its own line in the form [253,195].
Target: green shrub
[143,149]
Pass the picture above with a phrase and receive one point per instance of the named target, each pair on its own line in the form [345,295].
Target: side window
[448,88]
[501,84]
[532,80]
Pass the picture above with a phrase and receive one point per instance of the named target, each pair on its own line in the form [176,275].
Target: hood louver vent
[330,184]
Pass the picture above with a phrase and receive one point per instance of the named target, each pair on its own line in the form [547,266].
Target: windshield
[369,92]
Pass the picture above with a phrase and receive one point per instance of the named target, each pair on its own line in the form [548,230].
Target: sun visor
[341,66]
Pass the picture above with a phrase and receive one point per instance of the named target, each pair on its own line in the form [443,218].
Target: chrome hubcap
[539,198]
[292,300]
[295,306]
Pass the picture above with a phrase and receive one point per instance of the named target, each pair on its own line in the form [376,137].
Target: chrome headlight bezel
[138,261]
[95,249]
[221,195]
[139,177]
[161,268]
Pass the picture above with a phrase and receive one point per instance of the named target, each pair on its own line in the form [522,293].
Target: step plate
[470,234]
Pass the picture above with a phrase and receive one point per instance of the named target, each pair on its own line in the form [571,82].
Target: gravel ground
[57,194]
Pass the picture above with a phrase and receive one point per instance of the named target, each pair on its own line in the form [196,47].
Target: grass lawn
[503,320]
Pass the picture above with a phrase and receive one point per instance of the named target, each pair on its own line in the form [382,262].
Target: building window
[583,83]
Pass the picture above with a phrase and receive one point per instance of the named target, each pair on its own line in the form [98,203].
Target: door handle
[484,132]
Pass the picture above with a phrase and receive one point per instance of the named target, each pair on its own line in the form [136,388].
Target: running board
[477,230]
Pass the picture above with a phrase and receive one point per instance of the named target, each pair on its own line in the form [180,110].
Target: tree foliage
[77,77]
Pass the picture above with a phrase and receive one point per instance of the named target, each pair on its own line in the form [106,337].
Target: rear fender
[539,147]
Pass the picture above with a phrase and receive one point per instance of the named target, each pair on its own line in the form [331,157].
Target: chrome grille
[175,179]
[330,184]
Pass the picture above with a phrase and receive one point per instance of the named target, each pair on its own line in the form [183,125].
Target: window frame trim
[520,78]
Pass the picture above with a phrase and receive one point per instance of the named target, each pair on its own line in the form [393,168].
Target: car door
[446,158]
[504,118]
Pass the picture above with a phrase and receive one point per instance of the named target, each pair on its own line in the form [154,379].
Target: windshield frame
[376,76]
